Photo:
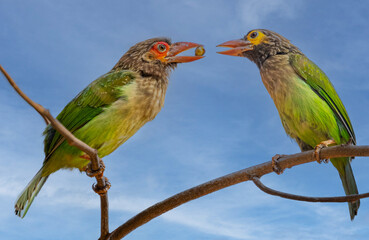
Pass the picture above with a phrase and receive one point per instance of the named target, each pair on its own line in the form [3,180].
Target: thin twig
[73,141]
[104,206]
[287,161]
[25,97]
[349,198]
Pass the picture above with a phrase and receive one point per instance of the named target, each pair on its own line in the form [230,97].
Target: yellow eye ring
[254,34]
[257,37]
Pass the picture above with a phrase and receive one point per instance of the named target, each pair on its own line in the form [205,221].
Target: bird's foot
[319,147]
[103,184]
[275,165]
[93,173]
[102,190]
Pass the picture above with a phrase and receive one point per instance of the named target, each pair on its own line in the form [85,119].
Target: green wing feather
[320,83]
[88,104]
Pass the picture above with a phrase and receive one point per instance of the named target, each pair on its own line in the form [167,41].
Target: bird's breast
[278,76]
[149,99]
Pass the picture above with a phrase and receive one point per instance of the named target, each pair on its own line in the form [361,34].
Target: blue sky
[218,118]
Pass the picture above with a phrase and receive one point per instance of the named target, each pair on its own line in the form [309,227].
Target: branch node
[44,111]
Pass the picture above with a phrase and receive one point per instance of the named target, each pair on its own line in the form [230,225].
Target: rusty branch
[350,198]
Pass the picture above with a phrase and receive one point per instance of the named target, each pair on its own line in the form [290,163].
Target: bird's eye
[161,48]
[253,34]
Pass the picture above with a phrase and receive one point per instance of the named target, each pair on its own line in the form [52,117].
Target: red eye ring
[161,47]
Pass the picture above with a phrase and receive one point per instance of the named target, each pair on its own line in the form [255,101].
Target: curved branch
[349,198]
[24,96]
[287,161]
[73,141]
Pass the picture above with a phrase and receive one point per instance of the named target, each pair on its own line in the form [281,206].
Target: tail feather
[27,196]
[348,181]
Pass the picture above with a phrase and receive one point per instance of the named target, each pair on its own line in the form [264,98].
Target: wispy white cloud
[255,12]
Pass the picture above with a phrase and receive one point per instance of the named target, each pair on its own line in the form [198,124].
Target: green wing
[321,85]
[88,104]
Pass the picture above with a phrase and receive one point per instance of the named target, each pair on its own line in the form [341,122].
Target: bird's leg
[99,174]
[276,168]
[319,147]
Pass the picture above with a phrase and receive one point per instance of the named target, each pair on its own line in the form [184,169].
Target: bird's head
[259,44]
[156,56]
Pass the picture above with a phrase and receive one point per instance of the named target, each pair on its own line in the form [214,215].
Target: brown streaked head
[155,56]
[259,44]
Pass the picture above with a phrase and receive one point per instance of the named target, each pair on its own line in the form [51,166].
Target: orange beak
[177,48]
[238,47]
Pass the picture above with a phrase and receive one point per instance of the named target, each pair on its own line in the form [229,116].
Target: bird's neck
[150,83]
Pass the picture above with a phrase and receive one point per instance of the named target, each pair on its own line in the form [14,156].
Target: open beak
[238,47]
[177,48]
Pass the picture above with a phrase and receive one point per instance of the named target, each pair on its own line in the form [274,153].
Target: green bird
[110,110]
[309,107]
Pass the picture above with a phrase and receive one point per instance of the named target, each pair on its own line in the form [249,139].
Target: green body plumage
[110,110]
[104,115]
[308,105]
[310,109]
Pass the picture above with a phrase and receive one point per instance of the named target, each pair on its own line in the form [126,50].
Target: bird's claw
[99,174]
[319,147]
[350,142]
[275,165]
[104,189]
[94,173]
